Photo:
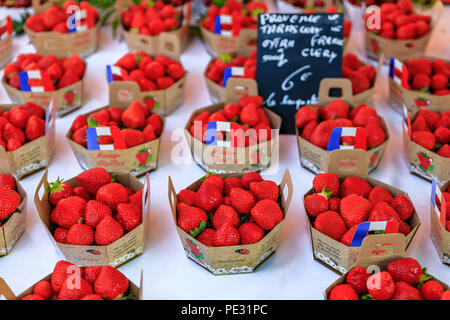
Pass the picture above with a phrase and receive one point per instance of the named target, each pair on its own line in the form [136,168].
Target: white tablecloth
[291,273]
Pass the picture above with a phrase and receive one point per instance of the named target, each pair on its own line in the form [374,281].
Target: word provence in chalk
[276,23]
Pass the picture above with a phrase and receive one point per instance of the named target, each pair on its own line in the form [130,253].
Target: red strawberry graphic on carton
[70,97]
[195,250]
[144,156]
[375,46]
[373,158]
[150,102]
[426,163]
[422,102]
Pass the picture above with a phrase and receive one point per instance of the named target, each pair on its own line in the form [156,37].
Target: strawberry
[111,284]
[404,291]
[32,297]
[403,206]
[7,181]
[61,271]
[128,62]
[360,82]
[355,185]
[52,16]
[129,216]
[35,24]
[306,114]
[406,269]
[337,108]
[364,116]
[381,286]
[80,234]
[404,228]
[264,190]
[421,81]
[418,66]
[186,196]
[444,151]
[446,295]
[108,231]
[136,199]
[225,214]
[208,197]
[95,212]
[334,204]
[419,124]
[432,290]
[369,72]
[79,122]
[70,291]
[60,235]
[11,69]
[316,203]
[115,114]
[155,121]
[331,224]
[93,179]
[383,212]
[154,70]
[407,31]
[44,289]
[58,190]
[321,134]
[75,64]
[442,135]
[226,235]
[250,233]
[351,61]
[112,194]
[267,213]
[19,116]
[355,209]
[343,292]
[424,138]
[250,177]
[207,237]
[132,137]
[176,71]
[422,28]
[241,200]
[215,180]
[439,66]
[91,273]
[380,194]
[308,130]
[68,211]
[190,218]
[375,135]
[430,117]
[92,297]
[13,144]
[35,128]
[357,278]
[249,114]
[68,78]
[80,136]
[133,116]
[328,182]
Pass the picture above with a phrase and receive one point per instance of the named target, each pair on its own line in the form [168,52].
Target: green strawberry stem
[425,277]
[56,186]
[194,233]
[366,296]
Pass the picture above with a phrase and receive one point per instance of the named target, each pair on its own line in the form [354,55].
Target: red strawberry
[207,237]
[355,185]
[316,203]
[403,206]
[95,212]
[407,31]
[419,124]
[108,231]
[32,297]
[80,234]
[155,121]
[80,136]
[357,278]
[154,70]
[331,224]
[68,211]
[432,290]
[35,128]
[58,190]
[439,81]
[355,209]
[381,286]
[225,214]
[208,197]
[380,194]
[7,181]
[111,284]
[337,108]
[189,218]
[215,180]
[241,200]
[68,78]
[70,291]
[431,117]
[134,116]
[375,135]
[420,65]
[13,144]
[439,66]
[421,81]
[404,291]
[35,24]
[444,151]
[249,114]
[60,235]
[186,196]
[91,273]
[19,116]
[306,114]
[365,116]
[93,179]
[250,233]
[264,190]
[175,71]
[79,122]
[321,134]
[136,199]
[383,212]
[267,214]
[250,177]
[132,137]
[334,204]
[343,292]
[442,135]
[129,216]
[230,183]
[226,235]
[44,289]
[61,271]
[351,61]
[328,182]
[360,82]
[424,138]
[112,194]
[76,64]
[406,269]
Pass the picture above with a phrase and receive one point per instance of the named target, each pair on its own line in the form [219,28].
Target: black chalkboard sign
[296,51]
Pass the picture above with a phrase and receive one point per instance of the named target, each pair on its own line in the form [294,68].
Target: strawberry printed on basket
[431,130]
[98,214]
[252,210]
[151,18]
[403,279]
[315,123]
[95,283]
[430,77]
[217,67]
[151,73]
[54,18]
[63,72]
[336,208]
[138,125]
[9,198]
[21,125]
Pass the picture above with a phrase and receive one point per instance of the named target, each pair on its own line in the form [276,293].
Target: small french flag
[436,192]
[398,72]
[234,72]
[112,71]
[363,228]
[40,81]
[338,133]
[92,134]
[6,28]
[74,21]
[217,126]
[223,20]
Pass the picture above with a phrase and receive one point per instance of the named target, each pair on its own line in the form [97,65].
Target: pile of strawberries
[302,3]
[9,198]
[137,123]
[217,67]
[98,212]
[151,73]
[54,19]
[404,279]
[429,76]
[337,208]
[332,9]
[315,123]
[398,21]
[431,130]
[362,76]
[247,113]
[20,125]
[62,71]
[231,211]
[95,283]
[245,16]
[446,196]
[151,18]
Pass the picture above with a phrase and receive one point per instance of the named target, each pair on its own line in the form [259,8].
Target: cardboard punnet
[218,93]
[14,227]
[122,160]
[173,42]
[413,99]
[376,265]
[348,161]
[63,45]
[439,233]
[7,293]
[421,161]
[130,246]
[232,259]
[401,49]
[228,159]
[375,247]
[6,44]
[33,155]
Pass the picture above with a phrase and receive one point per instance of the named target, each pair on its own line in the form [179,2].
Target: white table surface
[291,273]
